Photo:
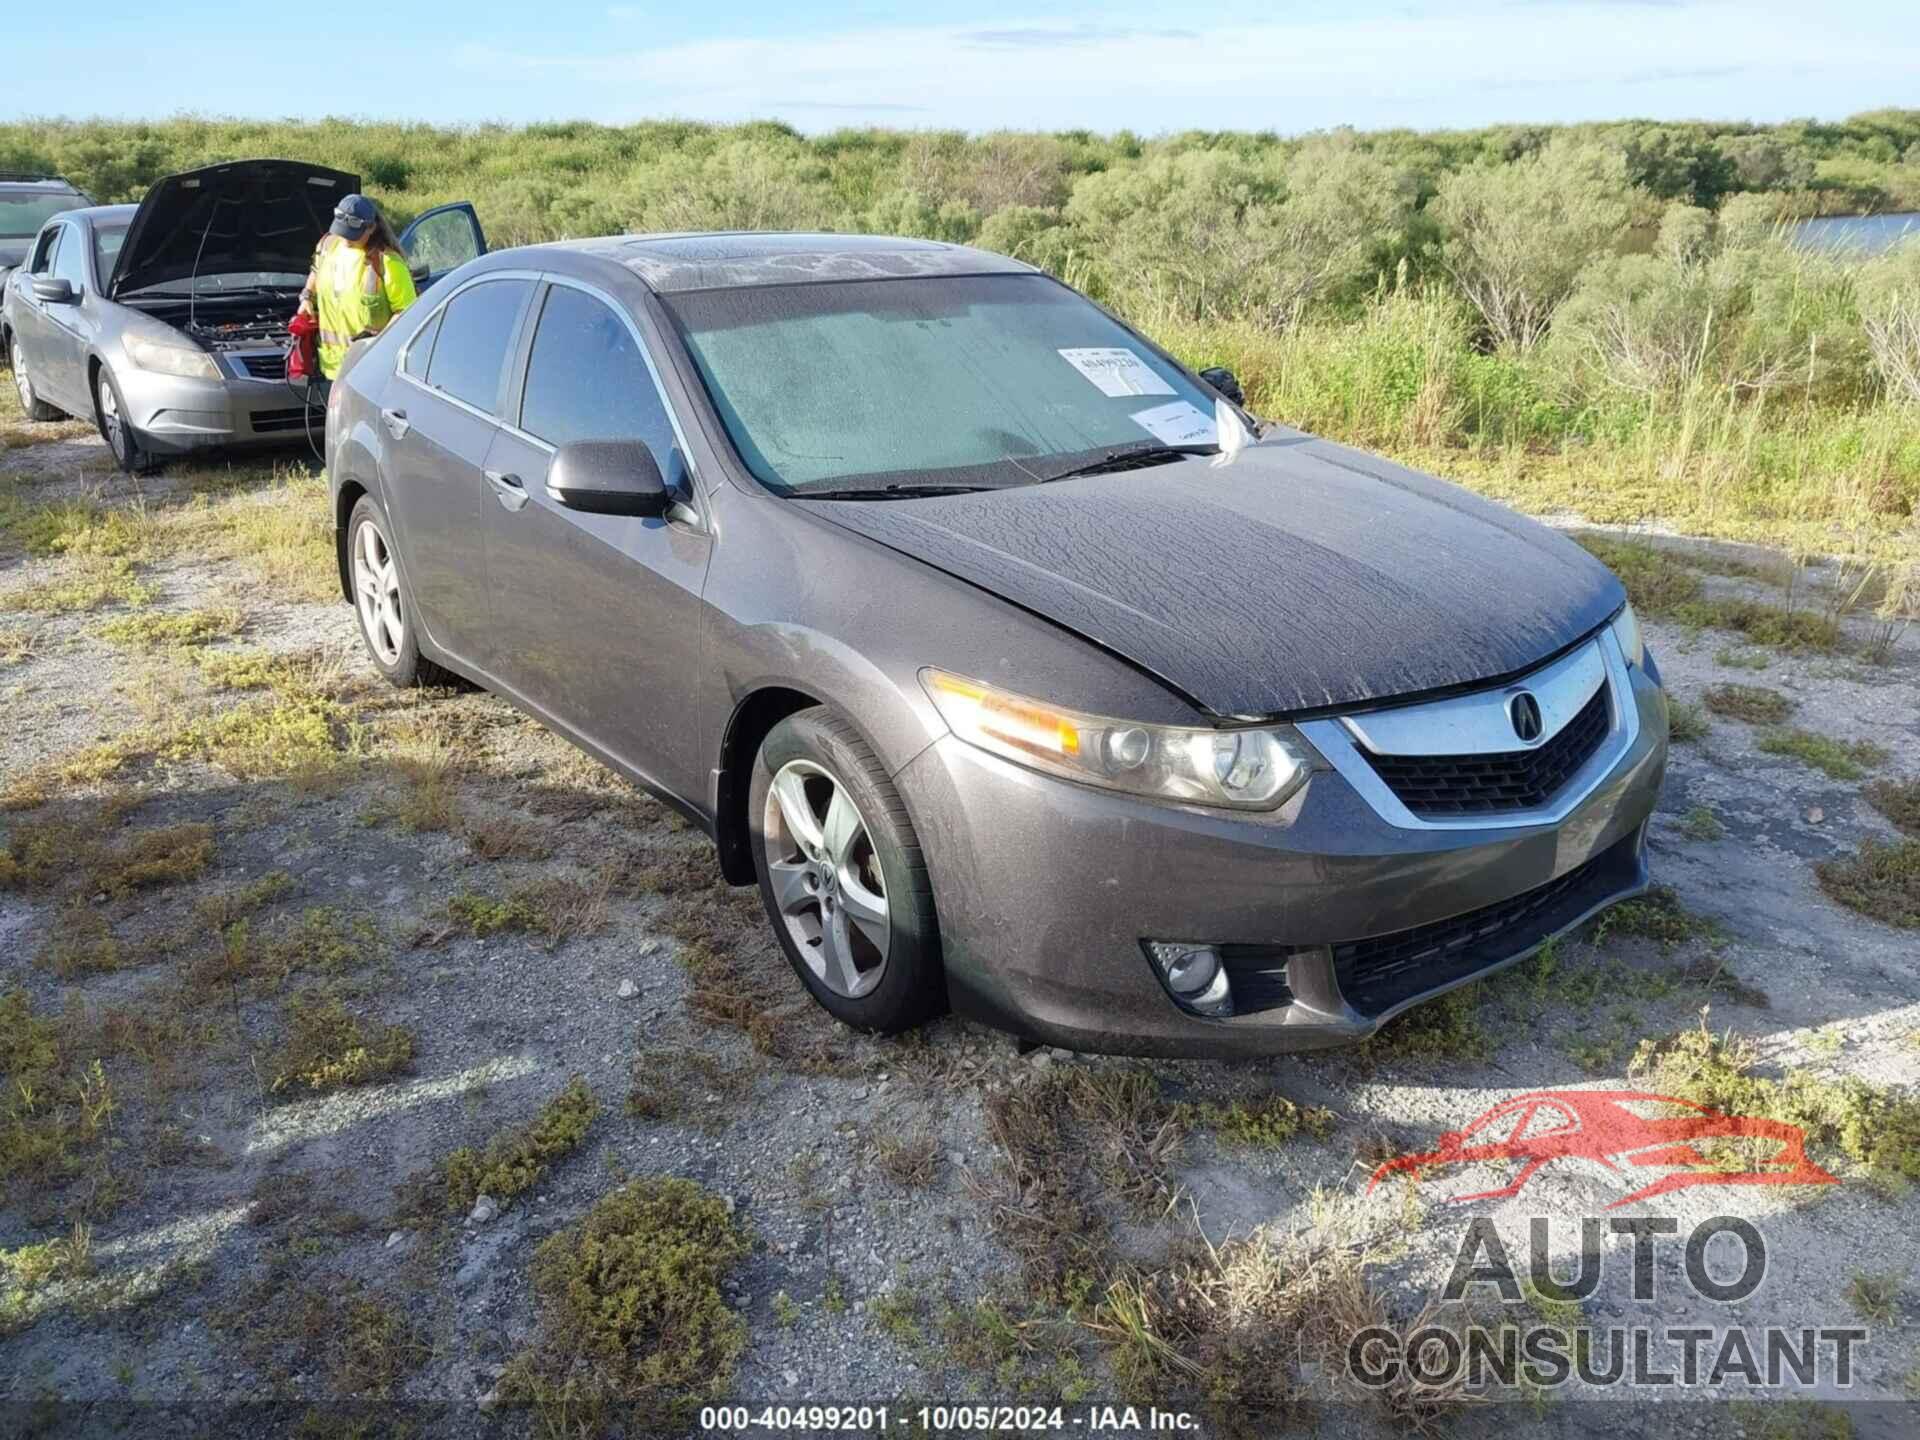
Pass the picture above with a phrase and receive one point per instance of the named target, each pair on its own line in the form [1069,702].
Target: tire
[30,401]
[381,602]
[109,413]
[814,897]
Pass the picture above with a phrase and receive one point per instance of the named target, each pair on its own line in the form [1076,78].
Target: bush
[1890,311]
[1517,236]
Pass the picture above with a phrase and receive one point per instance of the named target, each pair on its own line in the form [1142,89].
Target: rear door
[30,325]
[441,411]
[443,239]
[596,618]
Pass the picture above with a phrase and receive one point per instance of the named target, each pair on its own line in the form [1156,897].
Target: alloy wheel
[20,380]
[376,588]
[110,420]
[826,878]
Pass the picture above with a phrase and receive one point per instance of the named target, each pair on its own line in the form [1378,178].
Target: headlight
[1246,769]
[166,359]
[1626,629]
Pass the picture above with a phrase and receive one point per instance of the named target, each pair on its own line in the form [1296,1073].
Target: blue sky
[1220,64]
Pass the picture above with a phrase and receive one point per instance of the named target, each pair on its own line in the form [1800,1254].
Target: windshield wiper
[892,492]
[1129,457]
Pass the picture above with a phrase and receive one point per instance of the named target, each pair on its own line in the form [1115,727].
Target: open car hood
[1303,577]
[239,216]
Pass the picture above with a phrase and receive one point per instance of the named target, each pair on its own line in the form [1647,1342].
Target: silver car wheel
[826,878]
[376,588]
[110,416]
[20,380]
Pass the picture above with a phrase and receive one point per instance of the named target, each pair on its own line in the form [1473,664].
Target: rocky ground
[298,971]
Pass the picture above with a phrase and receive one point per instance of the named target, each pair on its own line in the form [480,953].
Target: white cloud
[1530,61]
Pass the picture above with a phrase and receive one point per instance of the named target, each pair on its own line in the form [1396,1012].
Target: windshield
[107,240]
[965,378]
[21,216]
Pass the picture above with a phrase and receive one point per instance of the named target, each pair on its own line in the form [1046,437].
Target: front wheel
[841,872]
[30,401]
[116,429]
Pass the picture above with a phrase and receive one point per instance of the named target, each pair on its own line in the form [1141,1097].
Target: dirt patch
[285,952]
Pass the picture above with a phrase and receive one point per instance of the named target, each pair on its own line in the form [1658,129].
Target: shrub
[1517,236]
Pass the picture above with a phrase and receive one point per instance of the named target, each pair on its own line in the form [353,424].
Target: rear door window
[587,380]
[476,334]
[420,349]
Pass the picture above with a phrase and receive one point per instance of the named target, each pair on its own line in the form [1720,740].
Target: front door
[596,618]
[440,413]
[442,239]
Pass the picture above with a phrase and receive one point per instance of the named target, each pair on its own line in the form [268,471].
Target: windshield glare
[966,378]
[21,216]
[107,240]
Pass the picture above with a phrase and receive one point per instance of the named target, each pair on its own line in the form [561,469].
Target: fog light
[1195,976]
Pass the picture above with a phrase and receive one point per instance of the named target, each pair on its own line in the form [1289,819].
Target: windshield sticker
[1116,370]
[1178,424]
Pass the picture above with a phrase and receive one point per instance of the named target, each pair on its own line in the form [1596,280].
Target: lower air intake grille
[1378,973]
[1439,785]
[275,422]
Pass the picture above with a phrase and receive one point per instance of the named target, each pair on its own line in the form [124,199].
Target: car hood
[1303,577]
[239,216]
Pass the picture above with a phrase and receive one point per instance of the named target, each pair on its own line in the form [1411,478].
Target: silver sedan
[166,322]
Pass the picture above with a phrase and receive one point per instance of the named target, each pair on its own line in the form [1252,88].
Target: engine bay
[222,325]
[244,333]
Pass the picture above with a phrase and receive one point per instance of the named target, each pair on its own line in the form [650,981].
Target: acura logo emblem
[1524,711]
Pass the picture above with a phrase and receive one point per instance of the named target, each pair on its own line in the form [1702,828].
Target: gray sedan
[166,322]
[1017,667]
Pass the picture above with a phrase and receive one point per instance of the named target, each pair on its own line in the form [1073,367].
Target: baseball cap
[353,217]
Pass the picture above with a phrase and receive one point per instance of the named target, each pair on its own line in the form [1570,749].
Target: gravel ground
[253,1199]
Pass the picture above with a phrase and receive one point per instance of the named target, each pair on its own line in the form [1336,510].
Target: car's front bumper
[174,415]
[1046,891]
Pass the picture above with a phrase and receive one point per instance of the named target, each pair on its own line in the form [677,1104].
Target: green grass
[1658,916]
[1836,759]
[325,1048]
[1686,721]
[1702,824]
[159,631]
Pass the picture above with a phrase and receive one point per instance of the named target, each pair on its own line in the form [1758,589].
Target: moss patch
[1878,1129]
[1262,1123]
[1658,916]
[1686,721]
[56,1110]
[631,1315]
[1881,881]
[1898,800]
[160,631]
[325,1048]
[1755,704]
[513,1161]
[1836,759]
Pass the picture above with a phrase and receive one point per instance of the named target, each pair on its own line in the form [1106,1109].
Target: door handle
[397,423]
[507,489]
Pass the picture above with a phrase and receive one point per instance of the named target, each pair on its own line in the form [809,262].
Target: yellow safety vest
[350,301]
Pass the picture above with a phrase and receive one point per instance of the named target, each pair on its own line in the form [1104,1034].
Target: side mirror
[53,292]
[608,477]
[1223,380]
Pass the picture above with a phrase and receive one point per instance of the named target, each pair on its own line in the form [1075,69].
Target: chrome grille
[1436,785]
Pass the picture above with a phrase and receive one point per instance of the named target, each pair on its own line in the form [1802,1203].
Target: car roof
[730,259]
[94,214]
[52,184]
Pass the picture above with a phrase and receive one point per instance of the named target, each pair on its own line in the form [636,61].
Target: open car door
[443,239]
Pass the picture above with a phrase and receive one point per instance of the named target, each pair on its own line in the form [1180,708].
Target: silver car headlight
[187,361]
[1626,629]
[1244,769]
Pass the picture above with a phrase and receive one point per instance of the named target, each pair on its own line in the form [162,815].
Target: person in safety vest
[359,281]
